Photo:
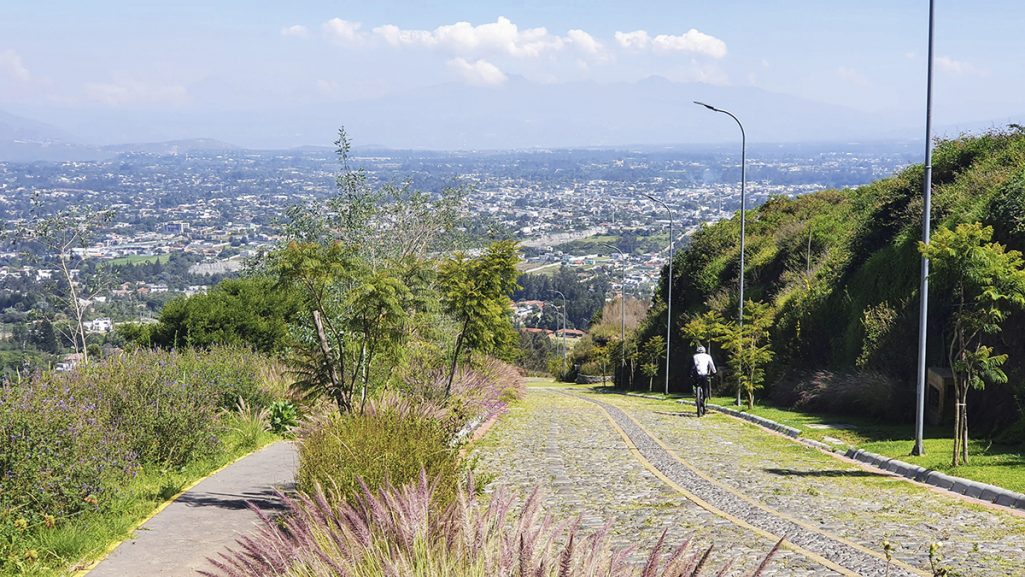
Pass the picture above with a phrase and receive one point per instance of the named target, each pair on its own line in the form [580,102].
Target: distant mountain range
[26,140]
[516,115]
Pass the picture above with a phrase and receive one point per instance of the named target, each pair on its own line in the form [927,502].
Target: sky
[145,70]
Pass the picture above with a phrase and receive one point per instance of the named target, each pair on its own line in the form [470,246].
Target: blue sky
[91,64]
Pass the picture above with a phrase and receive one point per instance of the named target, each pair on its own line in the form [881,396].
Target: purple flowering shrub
[397,532]
[57,455]
[479,391]
[68,440]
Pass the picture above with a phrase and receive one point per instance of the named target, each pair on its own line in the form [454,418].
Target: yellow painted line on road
[110,548]
[759,505]
[815,557]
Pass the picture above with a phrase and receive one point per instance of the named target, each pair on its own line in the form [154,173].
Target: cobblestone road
[839,513]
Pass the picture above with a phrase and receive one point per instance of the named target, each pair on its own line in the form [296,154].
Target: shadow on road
[266,499]
[824,473]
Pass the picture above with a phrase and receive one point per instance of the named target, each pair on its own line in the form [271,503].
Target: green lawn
[140,259]
[995,464]
[72,545]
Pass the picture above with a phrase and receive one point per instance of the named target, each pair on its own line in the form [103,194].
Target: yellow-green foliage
[390,445]
[824,259]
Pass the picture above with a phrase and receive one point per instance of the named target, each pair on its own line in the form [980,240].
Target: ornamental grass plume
[394,532]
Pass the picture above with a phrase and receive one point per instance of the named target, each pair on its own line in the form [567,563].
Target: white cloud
[479,72]
[465,39]
[12,66]
[344,31]
[129,92]
[295,31]
[584,42]
[958,67]
[693,41]
[853,76]
[636,40]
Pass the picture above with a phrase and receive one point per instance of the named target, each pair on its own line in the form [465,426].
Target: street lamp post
[923,291]
[743,208]
[622,308]
[565,315]
[669,296]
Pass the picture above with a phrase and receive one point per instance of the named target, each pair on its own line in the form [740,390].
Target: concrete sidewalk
[205,519]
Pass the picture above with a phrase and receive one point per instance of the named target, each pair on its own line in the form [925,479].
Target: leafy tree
[362,266]
[249,311]
[475,291]
[749,347]
[536,350]
[703,329]
[652,351]
[985,281]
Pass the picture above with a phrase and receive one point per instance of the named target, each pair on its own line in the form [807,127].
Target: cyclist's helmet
[701,349]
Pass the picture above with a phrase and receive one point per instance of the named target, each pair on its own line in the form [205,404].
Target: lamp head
[708,106]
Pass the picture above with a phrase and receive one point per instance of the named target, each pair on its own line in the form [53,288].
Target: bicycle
[699,399]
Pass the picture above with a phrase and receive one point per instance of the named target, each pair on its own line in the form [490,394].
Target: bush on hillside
[864,393]
[253,312]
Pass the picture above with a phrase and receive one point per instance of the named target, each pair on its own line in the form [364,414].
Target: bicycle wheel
[699,400]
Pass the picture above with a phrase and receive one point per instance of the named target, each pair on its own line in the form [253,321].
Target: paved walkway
[625,459]
[205,520]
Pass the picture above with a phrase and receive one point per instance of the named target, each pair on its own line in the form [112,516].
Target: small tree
[60,239]
[749,347]
[985,282]
[651,352]
[476,292]
[703,329]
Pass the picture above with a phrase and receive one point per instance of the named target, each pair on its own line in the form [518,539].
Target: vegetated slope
[841,268]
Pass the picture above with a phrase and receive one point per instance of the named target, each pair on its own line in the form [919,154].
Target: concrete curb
[966,487]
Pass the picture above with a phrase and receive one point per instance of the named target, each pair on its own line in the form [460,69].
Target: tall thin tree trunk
[455,357]
[325,348]
[79,331]
[964,427]
[363,368]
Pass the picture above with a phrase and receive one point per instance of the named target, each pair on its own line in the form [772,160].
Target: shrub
[168,404]
[390,443]
[397,532]
[283,416]
[865,393]
[55,453]
[168,416]
[481,391]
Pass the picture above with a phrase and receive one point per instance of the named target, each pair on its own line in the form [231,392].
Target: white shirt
[704,365]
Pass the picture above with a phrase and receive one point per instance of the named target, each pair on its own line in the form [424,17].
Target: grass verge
[994,464]
[74,543]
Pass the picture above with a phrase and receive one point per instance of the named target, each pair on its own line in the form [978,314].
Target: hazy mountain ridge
[514,116]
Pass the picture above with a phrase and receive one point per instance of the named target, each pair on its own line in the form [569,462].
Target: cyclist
[704,367]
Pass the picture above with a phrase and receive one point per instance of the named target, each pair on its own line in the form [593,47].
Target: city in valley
[178,222]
